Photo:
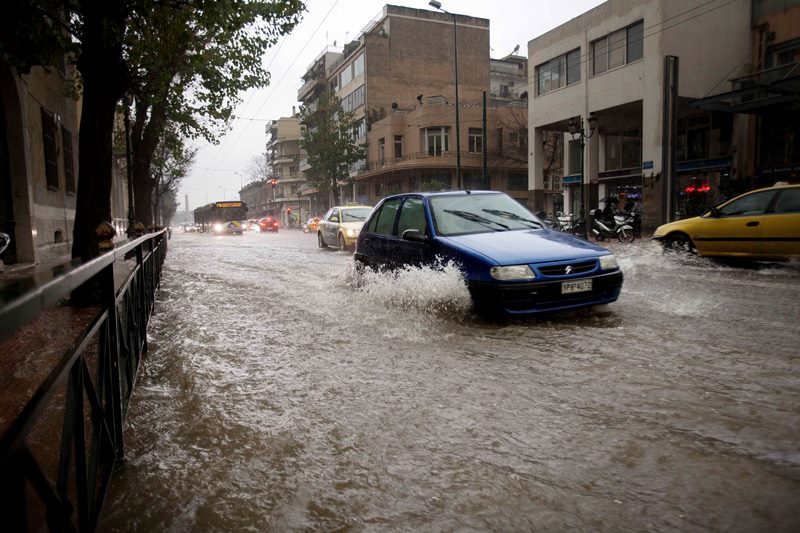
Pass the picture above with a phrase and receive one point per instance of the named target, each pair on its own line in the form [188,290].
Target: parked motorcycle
[619,226]
[566,222]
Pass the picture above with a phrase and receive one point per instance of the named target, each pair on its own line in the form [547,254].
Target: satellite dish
[516,49]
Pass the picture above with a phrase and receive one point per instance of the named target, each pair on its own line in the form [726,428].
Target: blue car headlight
[512,273]
[608,262]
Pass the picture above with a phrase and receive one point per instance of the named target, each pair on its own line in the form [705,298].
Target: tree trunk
[105,80]
[142,190]
[147,131]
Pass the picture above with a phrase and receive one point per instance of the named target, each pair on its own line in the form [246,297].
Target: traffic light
[289,210]
[273,182]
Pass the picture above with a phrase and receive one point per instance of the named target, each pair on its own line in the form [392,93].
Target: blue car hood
[525,246]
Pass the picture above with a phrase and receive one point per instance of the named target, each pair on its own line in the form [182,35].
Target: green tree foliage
[186,59]
[329,141]
[190,62]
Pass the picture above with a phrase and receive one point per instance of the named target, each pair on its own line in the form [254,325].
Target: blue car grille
[568,269]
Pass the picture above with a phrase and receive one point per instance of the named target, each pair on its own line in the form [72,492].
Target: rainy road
[278,396]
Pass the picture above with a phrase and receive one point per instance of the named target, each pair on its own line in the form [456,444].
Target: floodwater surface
[281,393]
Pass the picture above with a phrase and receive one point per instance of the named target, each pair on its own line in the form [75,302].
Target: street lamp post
[577,131]
[438,5]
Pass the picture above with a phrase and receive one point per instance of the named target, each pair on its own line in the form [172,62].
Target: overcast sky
[221,169]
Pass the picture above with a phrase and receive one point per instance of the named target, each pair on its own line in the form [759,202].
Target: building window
[293,170]
[575,157]
[559,72]
[354,100]
[618,48]
[394,187]
[382,150]
[50,150]
[398,147]
[475,140]
[504,91]
[360,129]
[69,162]
[436,140]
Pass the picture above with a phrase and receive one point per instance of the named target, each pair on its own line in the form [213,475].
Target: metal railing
[57,455]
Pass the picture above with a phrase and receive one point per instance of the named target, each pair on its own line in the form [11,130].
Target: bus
[221,217]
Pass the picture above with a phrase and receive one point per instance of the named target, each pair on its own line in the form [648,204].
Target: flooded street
[280,395]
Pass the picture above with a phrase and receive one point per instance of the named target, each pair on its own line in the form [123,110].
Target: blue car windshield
[480,213]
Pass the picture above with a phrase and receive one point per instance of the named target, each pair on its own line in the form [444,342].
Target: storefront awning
[756,93]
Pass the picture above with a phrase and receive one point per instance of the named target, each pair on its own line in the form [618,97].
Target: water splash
[437,290]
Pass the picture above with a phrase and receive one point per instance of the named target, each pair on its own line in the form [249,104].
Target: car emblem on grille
[568,270]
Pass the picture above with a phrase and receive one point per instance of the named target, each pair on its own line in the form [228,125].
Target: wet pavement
[278,394]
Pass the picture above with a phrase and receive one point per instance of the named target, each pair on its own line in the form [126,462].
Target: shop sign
[647,165]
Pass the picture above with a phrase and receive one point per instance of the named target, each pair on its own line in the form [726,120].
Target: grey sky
[221,169]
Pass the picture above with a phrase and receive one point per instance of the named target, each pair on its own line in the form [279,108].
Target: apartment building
[38,165]
[283,157]
[398,77]
[617,83]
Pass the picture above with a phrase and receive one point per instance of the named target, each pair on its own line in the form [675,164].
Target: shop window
[50,149]
[394,187]
[499,141]
[623,150]
[472,180]
[575,157]
[517,182]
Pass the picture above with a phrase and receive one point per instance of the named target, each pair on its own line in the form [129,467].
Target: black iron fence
[57,454]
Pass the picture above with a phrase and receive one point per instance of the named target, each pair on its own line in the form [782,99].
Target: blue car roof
[429,194]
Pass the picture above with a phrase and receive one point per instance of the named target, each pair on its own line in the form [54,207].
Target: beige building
[38,165]
[606,69]
[398,78]
[283,157]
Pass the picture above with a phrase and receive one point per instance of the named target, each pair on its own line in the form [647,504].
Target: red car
[267,224]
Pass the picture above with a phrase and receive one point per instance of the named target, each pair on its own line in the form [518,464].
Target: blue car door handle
[753,223]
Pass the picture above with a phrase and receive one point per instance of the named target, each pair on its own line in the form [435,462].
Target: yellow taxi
[341,225]
[761,225]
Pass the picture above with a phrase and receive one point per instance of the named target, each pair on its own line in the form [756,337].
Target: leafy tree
[190,62]
[329,141]
[187,60]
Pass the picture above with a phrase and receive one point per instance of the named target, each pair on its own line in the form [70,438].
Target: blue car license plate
[569,287]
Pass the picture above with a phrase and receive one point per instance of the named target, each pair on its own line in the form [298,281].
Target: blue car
[512,263]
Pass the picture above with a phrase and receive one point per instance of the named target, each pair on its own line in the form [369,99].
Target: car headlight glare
[218,227]
[608,262]
[513,272]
